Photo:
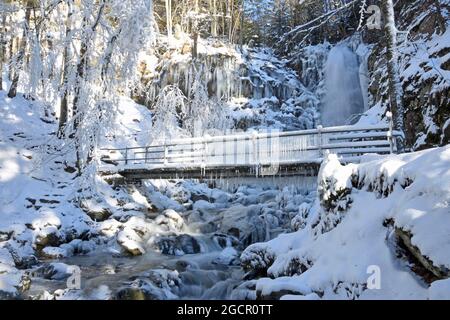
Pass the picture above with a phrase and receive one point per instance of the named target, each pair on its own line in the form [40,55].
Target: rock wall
[228,72]
[424,61]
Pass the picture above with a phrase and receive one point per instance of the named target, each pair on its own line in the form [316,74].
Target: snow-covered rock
[171,220]
[54,253]
[244,223]
[130,241]
[153,285]
[228,256]
[177,245]
[203,205]
[410,190]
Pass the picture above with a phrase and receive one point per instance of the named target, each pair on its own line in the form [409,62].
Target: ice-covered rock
[203,205]
[170,220]
[153,285]
[244,223]
[176,244]
[228,256]
[130,242]
[97,211]
[54,271]
[54,253]
[110,227]
[225,240]
[139,225]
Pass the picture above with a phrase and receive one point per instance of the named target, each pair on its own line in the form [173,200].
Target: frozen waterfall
[343,99]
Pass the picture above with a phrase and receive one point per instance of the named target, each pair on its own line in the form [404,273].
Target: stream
[103,274]
[188,255]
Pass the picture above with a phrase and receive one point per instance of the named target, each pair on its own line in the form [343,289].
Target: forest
[224,149]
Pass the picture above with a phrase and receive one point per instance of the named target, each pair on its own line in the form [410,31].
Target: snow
[338,233]
[335,253]
[40,212]
[439,290]
[131,128]
[341,255]
[130,240]
[311,296]
[54,252]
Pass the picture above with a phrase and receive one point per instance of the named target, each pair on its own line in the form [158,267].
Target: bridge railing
[258,149]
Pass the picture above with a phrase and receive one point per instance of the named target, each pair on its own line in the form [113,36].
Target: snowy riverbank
[388,217]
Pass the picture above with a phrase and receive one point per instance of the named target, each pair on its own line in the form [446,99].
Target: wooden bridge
[292,153]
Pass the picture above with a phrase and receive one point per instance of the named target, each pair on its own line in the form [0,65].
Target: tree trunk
[241,31]
[194,24]
[224,20]
[20,58]
[10,57]
[230,20]
[214,20]
[195,38]
[394,87]
[2,48]
[81,70]
[64,107]
[169,18]
[84,60]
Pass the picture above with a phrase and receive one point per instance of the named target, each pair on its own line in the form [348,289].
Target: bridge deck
[294,153]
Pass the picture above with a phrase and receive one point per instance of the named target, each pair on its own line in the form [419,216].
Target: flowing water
[198,276]
[343,100]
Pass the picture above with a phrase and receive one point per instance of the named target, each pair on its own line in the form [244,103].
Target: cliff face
[424,62]
[263,90]
[423,59]
[258,89]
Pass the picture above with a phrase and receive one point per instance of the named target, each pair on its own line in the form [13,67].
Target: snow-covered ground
[35,192]
[350,234]
[379,229]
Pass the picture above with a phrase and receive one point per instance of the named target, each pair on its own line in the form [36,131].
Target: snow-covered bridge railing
[248,154]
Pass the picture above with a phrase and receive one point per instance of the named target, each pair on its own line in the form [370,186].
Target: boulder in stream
[152,285]
[130,241]
[177,245]
[170,220]
[244,223]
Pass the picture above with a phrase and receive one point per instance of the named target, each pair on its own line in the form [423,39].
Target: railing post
[390,133]
[146,154]
[255,151]
[319,140]
[166,154]
[126,156]
[204,156]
